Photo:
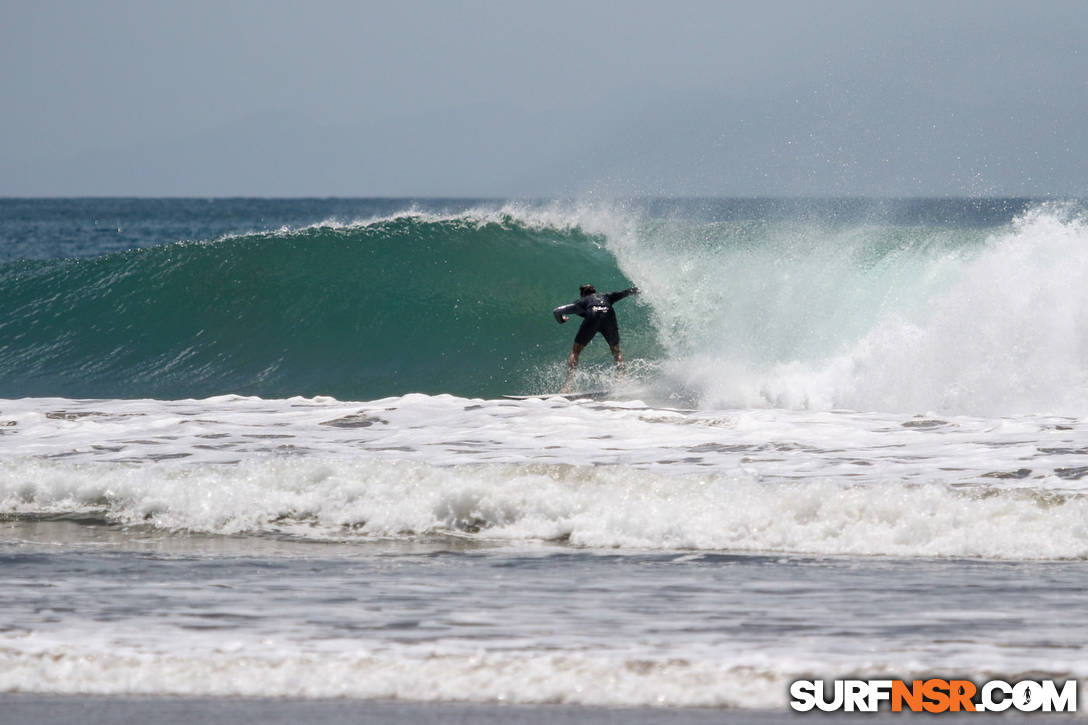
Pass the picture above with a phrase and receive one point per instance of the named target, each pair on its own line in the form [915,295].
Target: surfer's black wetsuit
[598,313]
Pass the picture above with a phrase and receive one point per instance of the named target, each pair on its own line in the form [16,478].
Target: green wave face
[406,304]
[748,312]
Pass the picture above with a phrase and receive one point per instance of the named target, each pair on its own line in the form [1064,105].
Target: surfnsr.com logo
[933,695]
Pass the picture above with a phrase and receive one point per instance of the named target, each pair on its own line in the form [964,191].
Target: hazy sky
[510,99]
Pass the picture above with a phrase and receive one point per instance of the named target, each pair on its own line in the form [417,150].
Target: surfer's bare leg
[572,362]
[617,356]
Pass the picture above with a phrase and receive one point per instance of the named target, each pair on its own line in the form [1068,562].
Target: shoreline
[46,709]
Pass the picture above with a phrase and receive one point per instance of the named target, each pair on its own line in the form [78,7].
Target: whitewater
[252,448]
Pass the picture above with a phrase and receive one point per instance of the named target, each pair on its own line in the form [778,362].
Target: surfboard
[584,395]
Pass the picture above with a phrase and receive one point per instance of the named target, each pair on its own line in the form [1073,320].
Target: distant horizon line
[634,197]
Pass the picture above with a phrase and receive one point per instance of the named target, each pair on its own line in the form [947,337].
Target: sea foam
[599,507]
[821,315]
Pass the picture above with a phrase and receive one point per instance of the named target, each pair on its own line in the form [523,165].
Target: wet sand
[95,710]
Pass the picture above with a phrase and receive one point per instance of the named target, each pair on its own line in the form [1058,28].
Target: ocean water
[259,448]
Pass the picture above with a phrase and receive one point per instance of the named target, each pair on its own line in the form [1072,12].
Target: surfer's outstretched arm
[561,311]
[617,296]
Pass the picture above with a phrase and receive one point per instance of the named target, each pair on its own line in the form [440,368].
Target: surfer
[596,309]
